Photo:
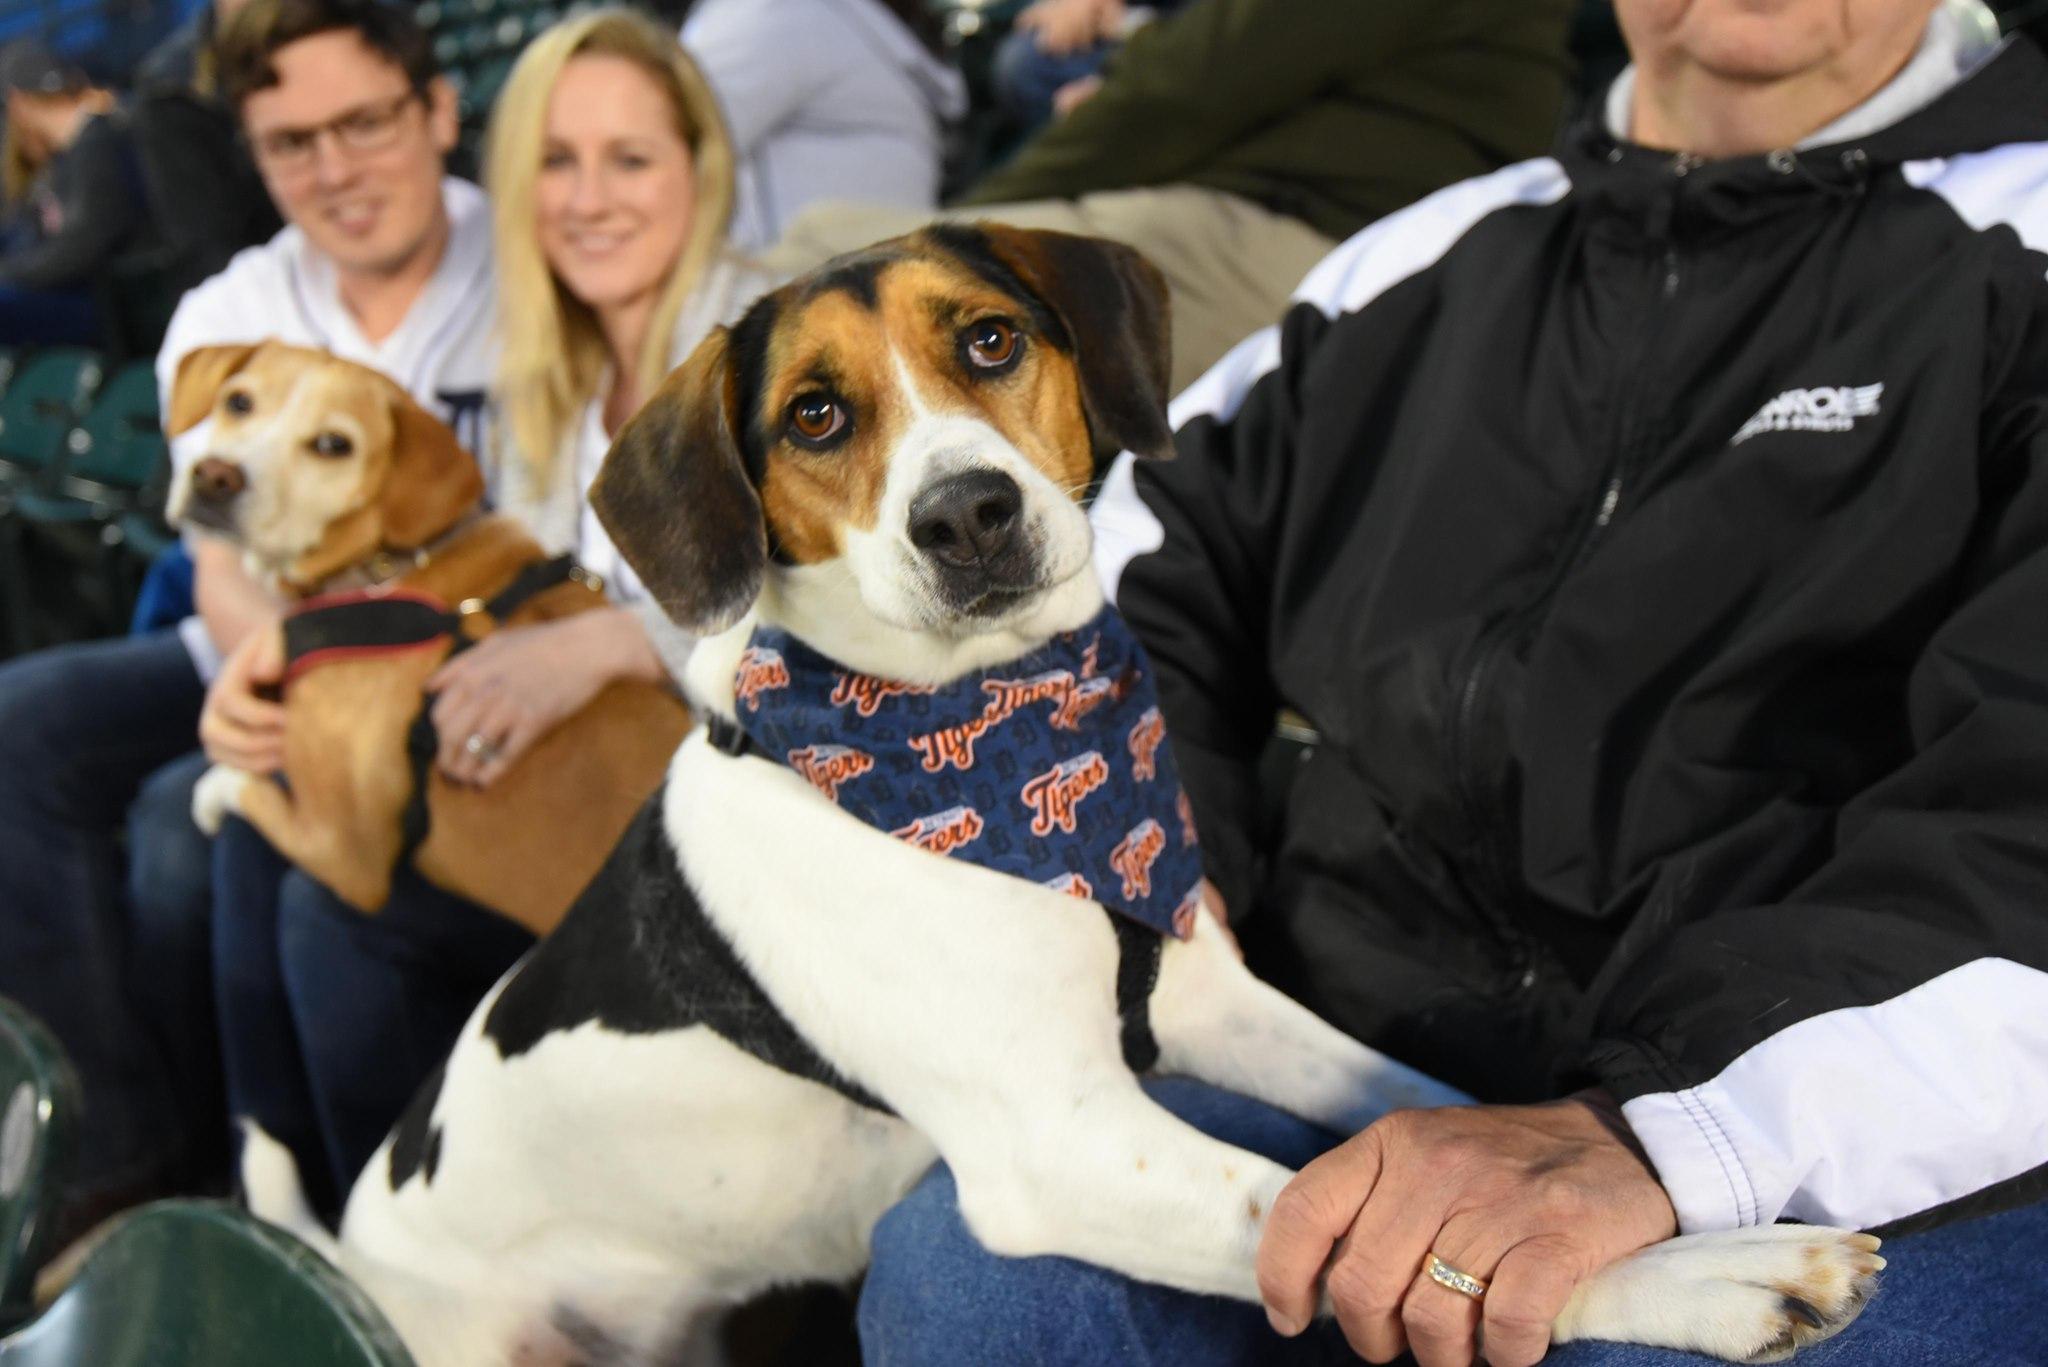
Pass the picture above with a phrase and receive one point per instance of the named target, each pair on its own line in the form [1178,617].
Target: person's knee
[925,1295]
[170,860]
[313,927]
[43,699]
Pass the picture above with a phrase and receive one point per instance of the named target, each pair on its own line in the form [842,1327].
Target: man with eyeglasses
[385,261]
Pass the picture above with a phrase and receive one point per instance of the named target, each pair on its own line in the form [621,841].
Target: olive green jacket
[1335,112]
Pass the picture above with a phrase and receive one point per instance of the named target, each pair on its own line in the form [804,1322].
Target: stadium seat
[46,398]
[38,1114]
[201,1284]
[76,540]
[113,459]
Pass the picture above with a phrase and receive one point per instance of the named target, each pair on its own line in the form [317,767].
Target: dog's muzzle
[970,530]
[215,485]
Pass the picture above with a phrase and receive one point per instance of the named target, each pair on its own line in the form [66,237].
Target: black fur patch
[1138,948]
[637,955]
[970,245]
[854,275]
[416,1143]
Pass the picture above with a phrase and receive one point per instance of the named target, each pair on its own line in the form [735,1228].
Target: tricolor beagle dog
[771,1012]
[361,508]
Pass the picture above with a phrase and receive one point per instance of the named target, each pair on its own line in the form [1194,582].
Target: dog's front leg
[313,845]
[1118,1181]
[1216,1022]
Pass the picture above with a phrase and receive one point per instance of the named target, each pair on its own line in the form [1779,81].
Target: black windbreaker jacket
[1659,554]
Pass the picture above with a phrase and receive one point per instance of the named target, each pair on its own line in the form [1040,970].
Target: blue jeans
[107,944]
[331,1019]
[66,317]
[1025,78]
[1965,1295]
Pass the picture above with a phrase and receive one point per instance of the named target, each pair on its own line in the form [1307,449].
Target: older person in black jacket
[1653,541]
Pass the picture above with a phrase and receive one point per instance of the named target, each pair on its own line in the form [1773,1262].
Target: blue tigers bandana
[1053,767]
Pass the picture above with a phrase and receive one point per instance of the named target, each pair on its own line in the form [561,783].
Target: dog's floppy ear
[675,498]
[200,375]
[1114,305]
[430,482]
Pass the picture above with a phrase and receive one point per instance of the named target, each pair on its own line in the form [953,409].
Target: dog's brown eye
[991,342]
[814,417]
[333,445]
[239,403]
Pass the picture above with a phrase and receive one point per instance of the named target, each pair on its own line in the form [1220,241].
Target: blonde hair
[552,355]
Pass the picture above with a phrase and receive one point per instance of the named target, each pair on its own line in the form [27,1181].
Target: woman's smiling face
[617,188]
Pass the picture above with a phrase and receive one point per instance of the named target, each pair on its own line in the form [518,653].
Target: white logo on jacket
[1828,408]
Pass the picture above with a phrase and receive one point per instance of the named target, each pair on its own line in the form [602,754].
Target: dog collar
[386,563]
[366,622]
[1054,767]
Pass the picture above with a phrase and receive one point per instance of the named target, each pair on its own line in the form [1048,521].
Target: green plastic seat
[114,458]
[38,1116]
[203,1284]
[49,394]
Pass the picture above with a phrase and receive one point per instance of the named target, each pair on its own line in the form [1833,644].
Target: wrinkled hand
[1532,1199]
[1065,26]
[238,727]
[1074,94]
[519,683]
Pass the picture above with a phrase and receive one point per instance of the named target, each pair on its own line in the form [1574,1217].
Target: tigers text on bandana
[1053,767]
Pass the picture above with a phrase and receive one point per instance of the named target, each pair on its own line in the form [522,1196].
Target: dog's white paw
[1747,1295]
[217,796]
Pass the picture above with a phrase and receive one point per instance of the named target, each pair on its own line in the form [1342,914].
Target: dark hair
[248,42]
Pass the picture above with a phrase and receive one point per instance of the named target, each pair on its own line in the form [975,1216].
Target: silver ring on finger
[481,748]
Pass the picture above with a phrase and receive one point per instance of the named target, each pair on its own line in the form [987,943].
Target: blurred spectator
[206,200]
[86,201]
[386,263]
[1236,142]
[826,99]
[1052,58]
[611,180]
[184,59]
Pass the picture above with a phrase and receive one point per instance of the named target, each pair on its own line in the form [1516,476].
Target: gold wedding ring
[1464,1283]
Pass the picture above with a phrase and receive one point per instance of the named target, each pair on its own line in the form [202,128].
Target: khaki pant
[1229,263]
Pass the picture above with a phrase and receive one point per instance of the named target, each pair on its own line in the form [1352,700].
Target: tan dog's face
[925,413]
[310,463]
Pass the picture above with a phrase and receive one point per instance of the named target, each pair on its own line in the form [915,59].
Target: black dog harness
[365,623]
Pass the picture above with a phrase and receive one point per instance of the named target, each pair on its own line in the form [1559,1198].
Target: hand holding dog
[1532,1199]
[238,726]
[517,684]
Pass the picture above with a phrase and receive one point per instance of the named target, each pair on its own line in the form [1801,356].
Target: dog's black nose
[218,480]
[966,520]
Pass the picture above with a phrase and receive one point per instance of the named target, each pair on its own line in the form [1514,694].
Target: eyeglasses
[360,131]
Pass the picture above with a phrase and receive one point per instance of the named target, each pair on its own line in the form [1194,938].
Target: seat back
[49,393]
[203,1284]
[120,445]
[38,1115]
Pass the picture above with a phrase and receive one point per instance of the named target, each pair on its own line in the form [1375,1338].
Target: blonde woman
[611,177]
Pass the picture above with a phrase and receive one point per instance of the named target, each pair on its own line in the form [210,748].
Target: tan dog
[328,476]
